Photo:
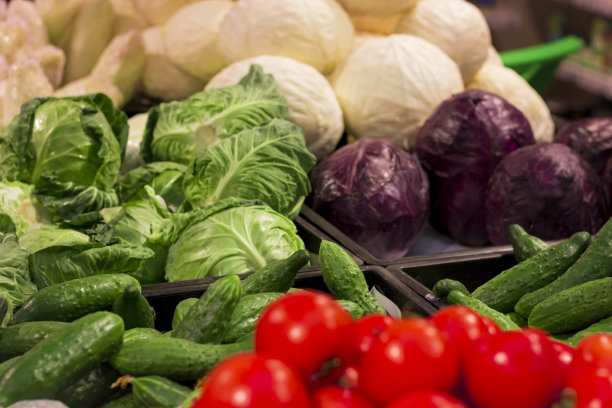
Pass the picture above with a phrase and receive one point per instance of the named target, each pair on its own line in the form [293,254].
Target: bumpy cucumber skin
[443,287]
[4,366]
[344,278]
[181,310]
[594,263]
[91,390]
[134,309]
[459,298]
[352,308]
[140,333]
[602,326]
[156,391]
[63,359]
[176,359]
[276,276]
[17,339]
[208,319]
[503,291]
[517,318]
[524,244]
[574,308]
[245,315]
[127,401]
[72,299]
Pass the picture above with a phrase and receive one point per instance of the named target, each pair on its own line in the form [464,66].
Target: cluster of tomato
[309,353]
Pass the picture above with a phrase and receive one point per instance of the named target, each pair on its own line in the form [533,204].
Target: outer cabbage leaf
[19,210]
[235,240]
[15,280]
[178,131]
[49,236]
[269,163]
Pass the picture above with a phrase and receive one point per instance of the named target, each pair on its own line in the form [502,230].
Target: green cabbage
[19,210]
[15,283]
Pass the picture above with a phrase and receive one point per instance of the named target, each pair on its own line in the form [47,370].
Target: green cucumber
[602,326]
[594,263]
[4,366]
[517,318]
[352,308]
[276,276]
[127,401]
[134,309]
[181,310]
[562,337]
[209,318]
[19,338]
[443,287]
[91,390]
[140,333]
[176,359]
[62,359]
[344,278]
[247,312]
[457,297]
[72,299]
[156,391]
[574,308]
[524,244]
[503,291]
[193,395]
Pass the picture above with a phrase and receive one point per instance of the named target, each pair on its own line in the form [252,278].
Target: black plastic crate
[472,269]
[164,297]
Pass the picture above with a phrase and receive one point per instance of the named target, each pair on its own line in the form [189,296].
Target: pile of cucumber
[564,289]
[91,342]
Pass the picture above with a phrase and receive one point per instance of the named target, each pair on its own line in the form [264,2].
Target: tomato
[346,376]
[565,355]
[594,351]
[364,331]
[411,354]
[593,387]
[460,326]
[304,329]
[338,397]
[427,399]
[253,380]
[512,369]
[491,324]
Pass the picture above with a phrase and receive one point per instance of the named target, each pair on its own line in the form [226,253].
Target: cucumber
[352,308]
[72,299]
[503,291]
[524,244]
[127,401]
[574,308]
[91,390]
[139,333]
[4,366]
[247,312]
[594,263]
[456,297]
[181,309]
[344,278]
[602,326]
[62,359]
[209,318]
[156,391]
[193,395]
[276,276]
[562,337]
[517,318]
[17,339]
[134,309]
[176,359]
[443,287]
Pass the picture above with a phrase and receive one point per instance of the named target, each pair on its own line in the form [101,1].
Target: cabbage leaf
[15,283]
[19,209]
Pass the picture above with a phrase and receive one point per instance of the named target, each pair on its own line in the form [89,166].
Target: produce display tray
[164,297]
[471,268]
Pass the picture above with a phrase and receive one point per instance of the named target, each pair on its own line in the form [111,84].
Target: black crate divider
[164,297]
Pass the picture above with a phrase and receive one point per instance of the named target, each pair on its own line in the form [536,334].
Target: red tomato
[252,380]
[427,399]
[512,369]
[565,355]
[491,324]
[460,326]
[345,376]
[593,387]
[594,351]
[364,331]
[303,329]
[410,355]
[338,397]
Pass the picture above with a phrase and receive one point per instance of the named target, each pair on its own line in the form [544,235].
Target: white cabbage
[191,38]
[377,7]
[316,32]
[132,158]
[493,57]
[512,87]
[92,84]
[389,86]
[457,27]
[26,12]
[127,17]
[312,103]
[376,24]
[159,11]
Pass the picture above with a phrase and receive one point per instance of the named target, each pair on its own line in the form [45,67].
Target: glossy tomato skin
[249,380]
[512,369]
[410,355]
[594,351]
[492,326]
[461,326]
[565,356]
[363,331]
[593,387]
[304,329]
[338,397]
[427,399]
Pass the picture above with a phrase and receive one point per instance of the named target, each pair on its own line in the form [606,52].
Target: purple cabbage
[548,190]
[460,145]
[376,193]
